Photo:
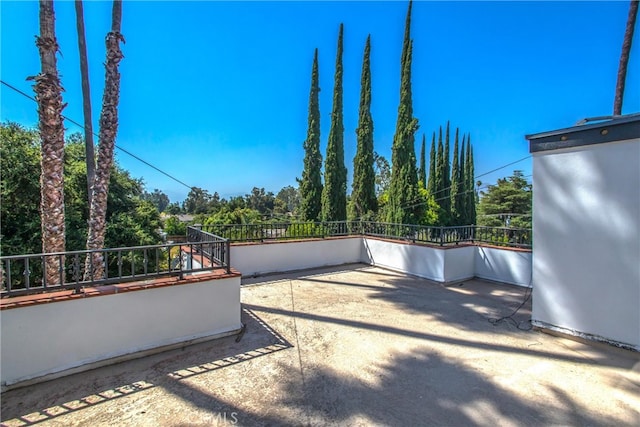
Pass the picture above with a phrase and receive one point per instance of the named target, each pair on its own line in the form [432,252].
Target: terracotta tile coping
[88,292]
[385,239]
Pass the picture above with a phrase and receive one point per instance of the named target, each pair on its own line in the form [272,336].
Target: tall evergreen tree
[455,184]
[437,194]
[404,193]
[431,184]
[311,182]
[471,190]
[462,184]
[444,196]
[334,194]
[422,172]
[363,194]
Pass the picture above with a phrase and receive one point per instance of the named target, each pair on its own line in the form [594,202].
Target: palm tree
[86,99]
[624,57]
[49,96]
[94,266]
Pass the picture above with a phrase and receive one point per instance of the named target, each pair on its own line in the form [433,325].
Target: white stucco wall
[255,259]
[459,263]
[586,232]
[51,338]
[508,266]
[421,261]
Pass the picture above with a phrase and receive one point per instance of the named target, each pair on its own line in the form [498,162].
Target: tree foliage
[422,170]
[507,203]
[130,220]
[403,206]
[288,200]
[431,180]
[19,190]
[452,185]
[159,199]
[334,193]
[197,202]
[311,181]
[363,195]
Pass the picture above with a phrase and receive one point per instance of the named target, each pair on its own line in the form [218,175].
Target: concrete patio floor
[355,345]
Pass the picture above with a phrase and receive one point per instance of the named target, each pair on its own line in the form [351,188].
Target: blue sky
[216,93]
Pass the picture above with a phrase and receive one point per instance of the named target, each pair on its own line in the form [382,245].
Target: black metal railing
[510,237]
[208,248]
[24,274]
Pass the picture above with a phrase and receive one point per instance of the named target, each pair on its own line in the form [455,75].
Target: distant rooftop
[589,131]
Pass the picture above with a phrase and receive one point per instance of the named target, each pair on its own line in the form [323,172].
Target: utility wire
[407,205]
[95,134]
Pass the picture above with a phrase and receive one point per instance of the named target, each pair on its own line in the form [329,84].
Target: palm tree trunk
[49,96]
[86,99]
[94,266]
[624,57]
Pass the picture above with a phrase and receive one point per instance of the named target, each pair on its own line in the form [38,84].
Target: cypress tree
[403,206]
[470,190]
[311,182]
[455,184]
[444,196]
[462,184]
[439,167]
[363,194]
[422,177]
[431,185]
[334,195]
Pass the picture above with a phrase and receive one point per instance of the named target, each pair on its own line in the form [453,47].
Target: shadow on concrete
[46,401]
[420,389]
[462,303]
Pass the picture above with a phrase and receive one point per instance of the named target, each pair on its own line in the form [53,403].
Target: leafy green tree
[234,216]
[289,198]
[130,221]
[382,170]
[422,171]
[197,201]
[334,193]
[173,209]
[260,200]
[19,190]
[311,182]
[403,204]
[507,203]
[364,202]
[236,202]
[158,198]
[174,227]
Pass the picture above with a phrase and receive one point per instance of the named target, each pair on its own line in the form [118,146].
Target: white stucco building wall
[586,231]
[44,341]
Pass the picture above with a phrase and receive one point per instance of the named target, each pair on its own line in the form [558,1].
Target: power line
[95,134]
[407,206]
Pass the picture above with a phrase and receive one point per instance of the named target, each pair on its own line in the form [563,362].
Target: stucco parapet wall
[268,241]
[449,245]
[89,292]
